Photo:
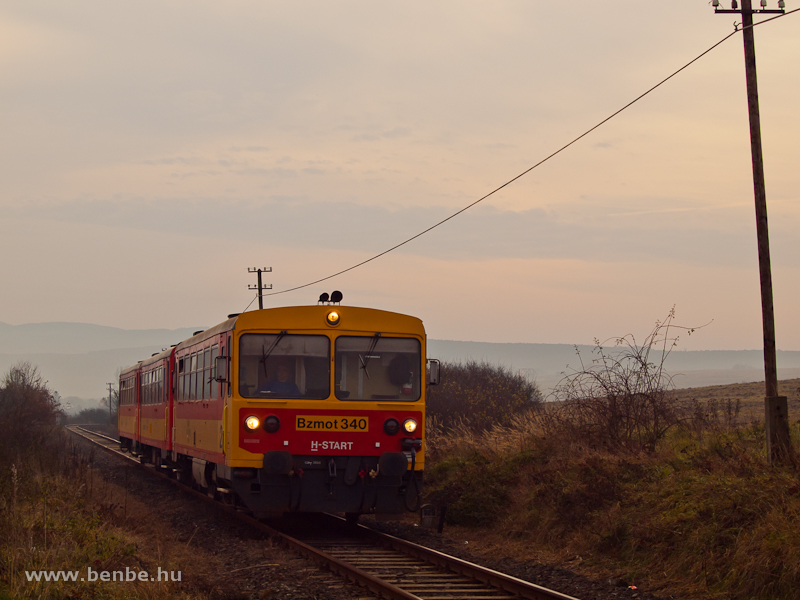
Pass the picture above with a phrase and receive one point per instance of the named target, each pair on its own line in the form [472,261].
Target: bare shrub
[28,411]
[480,395]
[89,415]
[622,399]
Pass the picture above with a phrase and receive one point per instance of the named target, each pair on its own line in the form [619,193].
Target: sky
[152,152]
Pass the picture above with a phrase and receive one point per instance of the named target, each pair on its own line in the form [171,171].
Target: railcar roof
[352,318]
[158,357]
[208,333]
[130,370]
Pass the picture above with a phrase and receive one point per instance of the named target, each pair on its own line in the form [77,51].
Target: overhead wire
[737,29]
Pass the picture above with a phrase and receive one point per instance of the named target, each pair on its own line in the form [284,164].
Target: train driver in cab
[281,385]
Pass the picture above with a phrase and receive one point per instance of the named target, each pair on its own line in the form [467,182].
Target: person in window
[282,385]
[400,374]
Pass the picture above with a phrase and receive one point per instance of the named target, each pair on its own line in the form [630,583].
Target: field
[700,515]
[751,396]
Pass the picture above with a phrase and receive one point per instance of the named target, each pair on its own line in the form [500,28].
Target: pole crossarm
[752,12]
[260,287]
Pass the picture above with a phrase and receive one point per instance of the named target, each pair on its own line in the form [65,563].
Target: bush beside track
[479,396]
[53,514]
[698,513]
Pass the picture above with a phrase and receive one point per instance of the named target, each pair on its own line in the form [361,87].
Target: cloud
[347,128]
[600,233]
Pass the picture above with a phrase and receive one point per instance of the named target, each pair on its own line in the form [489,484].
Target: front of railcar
[327,411]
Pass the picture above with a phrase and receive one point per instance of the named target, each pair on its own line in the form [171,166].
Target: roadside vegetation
[620,475]
[479,395]
[98,416]
[52,516]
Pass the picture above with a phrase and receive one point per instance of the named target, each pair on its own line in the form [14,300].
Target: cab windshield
[377,368]
[284,366]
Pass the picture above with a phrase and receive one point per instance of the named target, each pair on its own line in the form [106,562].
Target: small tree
[480,395]
[28,410]
[89,415]
[623,399]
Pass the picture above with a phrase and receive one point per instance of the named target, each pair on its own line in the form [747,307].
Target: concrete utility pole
[776,412]
[260,287]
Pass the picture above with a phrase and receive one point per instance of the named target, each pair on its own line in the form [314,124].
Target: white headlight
[252,423]
[410,425]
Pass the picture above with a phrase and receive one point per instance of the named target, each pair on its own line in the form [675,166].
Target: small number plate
[331,423]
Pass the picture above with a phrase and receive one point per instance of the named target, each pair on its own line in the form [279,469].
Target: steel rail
[354,574]
[74,430]
[110,439]
[378,586]
[507,583]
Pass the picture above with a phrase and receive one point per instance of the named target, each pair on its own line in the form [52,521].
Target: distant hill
[77,338]
[79,359]
[545,363]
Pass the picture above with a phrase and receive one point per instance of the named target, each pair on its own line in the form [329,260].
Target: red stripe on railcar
[332,440]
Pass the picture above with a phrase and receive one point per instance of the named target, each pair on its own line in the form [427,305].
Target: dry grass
[499,440]
[750,395]
[703,515]
[62,516]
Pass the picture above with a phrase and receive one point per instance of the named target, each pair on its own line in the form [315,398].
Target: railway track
[108,443]
[388,566]
[410,571]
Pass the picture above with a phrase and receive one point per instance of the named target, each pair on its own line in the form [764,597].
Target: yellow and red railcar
[129,403]
[156,405]
[309,408]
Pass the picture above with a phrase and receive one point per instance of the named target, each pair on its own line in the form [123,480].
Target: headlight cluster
[392,426]
[271,423]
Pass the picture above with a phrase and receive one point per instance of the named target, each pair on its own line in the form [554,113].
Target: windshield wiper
[365,359]
[266,353]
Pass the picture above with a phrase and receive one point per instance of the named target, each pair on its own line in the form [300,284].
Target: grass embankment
[56,515]
[701,516]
